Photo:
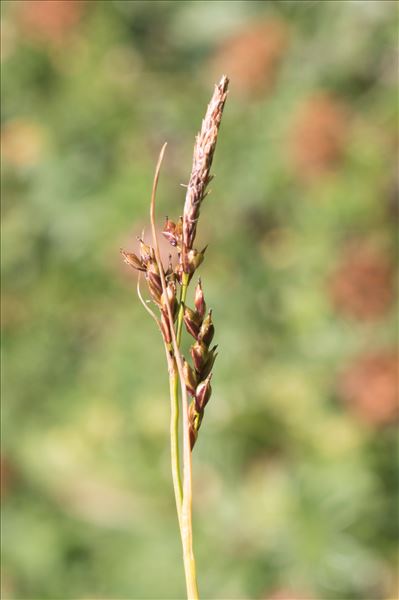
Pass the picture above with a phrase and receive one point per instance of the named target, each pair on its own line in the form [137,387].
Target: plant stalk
[174,406]
[174,435]
[186,510]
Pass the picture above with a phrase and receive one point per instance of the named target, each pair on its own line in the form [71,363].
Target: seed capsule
[199,354]
[190,378]
[203,393]
[199,300]
[154,285]
[193,436]
[207,330]
[193,431]
[173,231]
[152,266]
[169,230]
[192,321]
[192,260]
[194,419]
[207,367]
[132,260]
[169,273]
[146,252]
[171,297]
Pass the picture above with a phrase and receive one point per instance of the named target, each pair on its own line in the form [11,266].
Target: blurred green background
[296,464]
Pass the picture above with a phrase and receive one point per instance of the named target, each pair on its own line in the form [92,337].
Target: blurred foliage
[296,465]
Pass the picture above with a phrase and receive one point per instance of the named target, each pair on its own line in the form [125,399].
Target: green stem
[186,518]
[174,407]
[174,436]
[186,515]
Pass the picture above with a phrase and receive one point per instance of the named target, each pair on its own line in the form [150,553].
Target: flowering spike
[132,260]
[162,284]
[204,149]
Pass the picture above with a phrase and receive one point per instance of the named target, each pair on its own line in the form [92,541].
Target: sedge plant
[189,377]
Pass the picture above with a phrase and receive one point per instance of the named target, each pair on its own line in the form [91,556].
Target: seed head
[162,284]
[204,149]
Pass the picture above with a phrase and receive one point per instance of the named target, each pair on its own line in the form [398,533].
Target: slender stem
[174,414]
[186,517]
[174,409]
[186,513]
[174,435]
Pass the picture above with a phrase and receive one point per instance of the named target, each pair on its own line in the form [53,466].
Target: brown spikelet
[204,149]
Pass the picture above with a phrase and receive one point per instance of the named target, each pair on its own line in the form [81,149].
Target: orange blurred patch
[251,57]
[49,21]
[362,287]
[22,142]
[319,135]
[369,387]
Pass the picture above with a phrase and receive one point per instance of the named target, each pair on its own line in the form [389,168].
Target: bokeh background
[296,464]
